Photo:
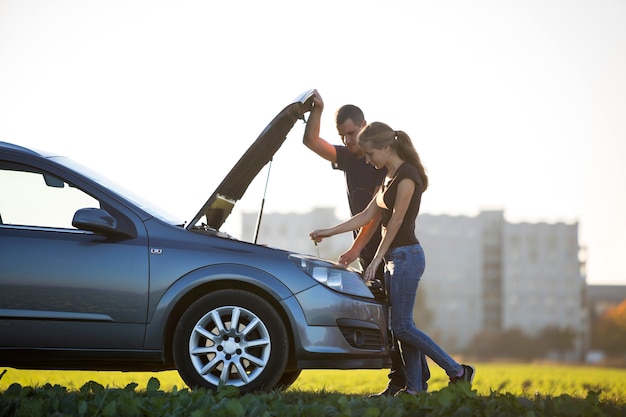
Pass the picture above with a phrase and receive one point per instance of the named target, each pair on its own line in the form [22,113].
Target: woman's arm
[406,188]
[355,222]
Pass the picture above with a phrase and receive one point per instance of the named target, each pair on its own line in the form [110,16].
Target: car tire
[209,351]
[287,379]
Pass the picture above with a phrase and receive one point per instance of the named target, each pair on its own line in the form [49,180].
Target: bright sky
[513,105]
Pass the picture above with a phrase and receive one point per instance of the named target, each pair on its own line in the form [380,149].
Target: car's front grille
[363,338]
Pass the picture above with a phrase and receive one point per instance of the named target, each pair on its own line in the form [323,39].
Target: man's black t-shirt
[361,180]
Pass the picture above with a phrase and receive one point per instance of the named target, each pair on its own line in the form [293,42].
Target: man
[362,181]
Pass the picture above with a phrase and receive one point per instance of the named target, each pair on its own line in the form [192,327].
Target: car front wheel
[231,337]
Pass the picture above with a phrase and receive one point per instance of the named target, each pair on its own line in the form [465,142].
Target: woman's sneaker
[467,375]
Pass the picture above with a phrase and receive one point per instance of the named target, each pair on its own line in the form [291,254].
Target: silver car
[94,278]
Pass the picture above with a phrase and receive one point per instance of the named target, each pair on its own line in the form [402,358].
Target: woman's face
[374,156]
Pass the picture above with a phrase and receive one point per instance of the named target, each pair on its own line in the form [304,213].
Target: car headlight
[335,276]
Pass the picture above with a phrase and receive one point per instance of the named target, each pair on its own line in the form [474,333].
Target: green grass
[525,380]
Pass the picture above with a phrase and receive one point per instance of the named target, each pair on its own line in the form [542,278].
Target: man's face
[348,132]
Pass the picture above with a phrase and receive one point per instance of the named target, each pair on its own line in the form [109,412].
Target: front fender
[199,282]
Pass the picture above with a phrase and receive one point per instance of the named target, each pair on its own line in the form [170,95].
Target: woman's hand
[370,272]
[318,235]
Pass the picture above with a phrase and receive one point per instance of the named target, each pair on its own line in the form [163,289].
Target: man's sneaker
[467,375]
[390,391]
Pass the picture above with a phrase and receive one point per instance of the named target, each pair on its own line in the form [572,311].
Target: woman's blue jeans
[404,267]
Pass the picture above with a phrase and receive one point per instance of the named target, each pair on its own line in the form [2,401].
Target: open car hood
[220,204]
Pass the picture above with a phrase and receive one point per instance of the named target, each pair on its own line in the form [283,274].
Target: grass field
[524,380]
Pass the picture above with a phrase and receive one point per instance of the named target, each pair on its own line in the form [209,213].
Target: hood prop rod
[258,220]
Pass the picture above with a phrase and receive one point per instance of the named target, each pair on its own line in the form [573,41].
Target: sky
[517,106]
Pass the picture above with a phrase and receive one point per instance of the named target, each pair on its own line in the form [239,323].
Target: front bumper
[335,331]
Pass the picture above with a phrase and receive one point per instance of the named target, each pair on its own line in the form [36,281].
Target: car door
[61,287]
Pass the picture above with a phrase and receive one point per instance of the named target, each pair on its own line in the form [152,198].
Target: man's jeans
[403,269]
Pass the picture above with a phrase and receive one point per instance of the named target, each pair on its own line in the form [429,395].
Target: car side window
[31,197]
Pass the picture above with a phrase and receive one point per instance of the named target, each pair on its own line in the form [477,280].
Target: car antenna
[258,220]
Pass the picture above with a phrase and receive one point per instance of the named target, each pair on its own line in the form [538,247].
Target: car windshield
[134,198]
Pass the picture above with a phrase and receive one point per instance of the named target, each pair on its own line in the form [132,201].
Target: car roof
[6,146]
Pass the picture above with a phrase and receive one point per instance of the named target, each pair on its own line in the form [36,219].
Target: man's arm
[364,236]
[312,132]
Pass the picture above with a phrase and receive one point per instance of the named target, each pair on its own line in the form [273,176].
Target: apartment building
[484,273]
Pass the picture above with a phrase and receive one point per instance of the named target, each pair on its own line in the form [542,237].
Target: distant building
[452,287]
[482,273]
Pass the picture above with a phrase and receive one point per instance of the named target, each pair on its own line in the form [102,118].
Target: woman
[397,205]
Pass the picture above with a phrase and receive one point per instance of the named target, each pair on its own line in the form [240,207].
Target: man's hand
[348,257]
[318,103]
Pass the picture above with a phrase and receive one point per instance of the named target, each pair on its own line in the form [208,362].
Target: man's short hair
[349,111]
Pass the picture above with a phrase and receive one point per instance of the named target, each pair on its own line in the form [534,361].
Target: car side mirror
[95,220]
